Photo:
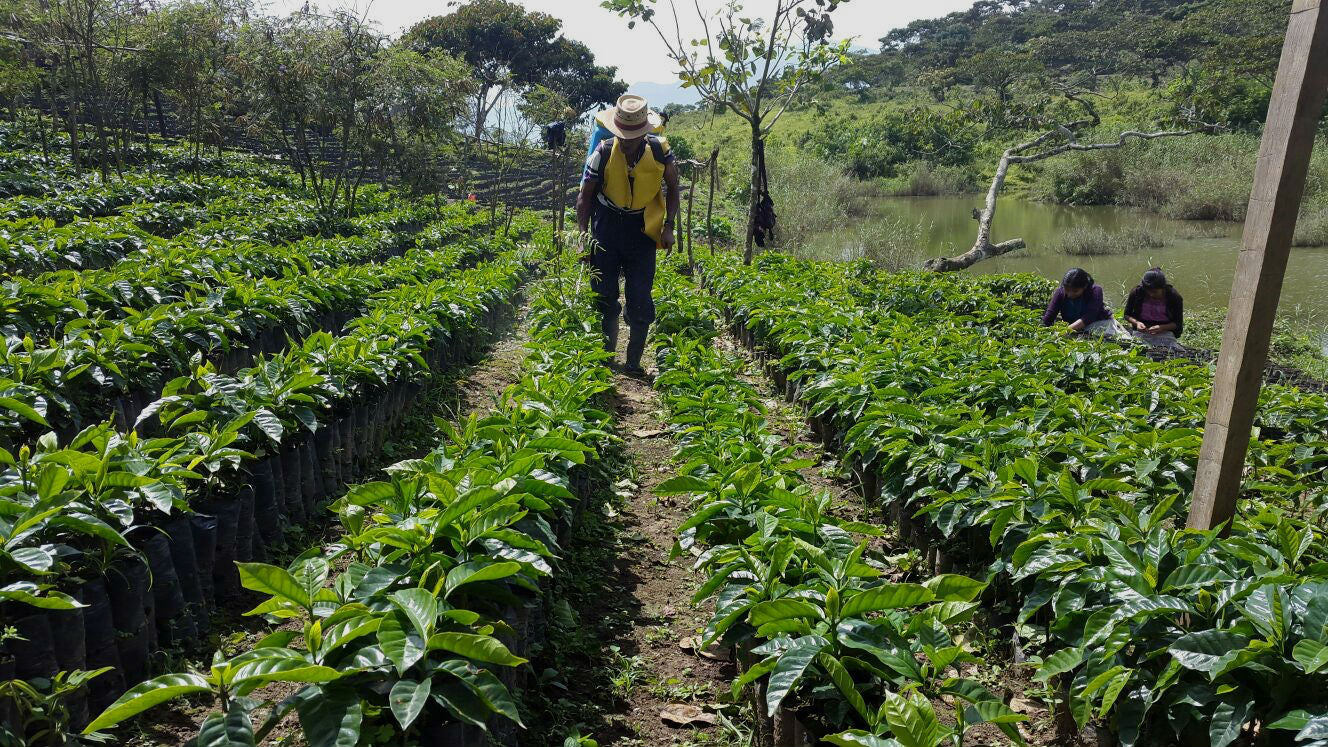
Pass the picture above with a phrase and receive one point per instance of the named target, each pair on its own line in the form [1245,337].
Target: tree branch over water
[1039,149]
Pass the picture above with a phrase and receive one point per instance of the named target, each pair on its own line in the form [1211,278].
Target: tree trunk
[161,115]
[982,247]
[754,199]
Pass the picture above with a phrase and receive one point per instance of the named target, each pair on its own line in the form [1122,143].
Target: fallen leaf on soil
[715,652]
[1025,706]
[686,715]
[647,433]
[670,611]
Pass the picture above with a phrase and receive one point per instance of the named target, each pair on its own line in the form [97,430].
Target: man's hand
[666,238]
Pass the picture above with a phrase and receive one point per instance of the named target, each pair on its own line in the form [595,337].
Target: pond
[1199,256]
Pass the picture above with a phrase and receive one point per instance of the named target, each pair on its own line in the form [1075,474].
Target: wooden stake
[688,236]
[1279,185]
[710,199]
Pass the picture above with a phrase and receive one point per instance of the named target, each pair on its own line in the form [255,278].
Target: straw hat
[631,118]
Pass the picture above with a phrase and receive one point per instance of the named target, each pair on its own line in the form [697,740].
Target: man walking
[629,199]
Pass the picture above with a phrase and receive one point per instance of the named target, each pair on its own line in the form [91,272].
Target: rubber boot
[609,327]
[636,346]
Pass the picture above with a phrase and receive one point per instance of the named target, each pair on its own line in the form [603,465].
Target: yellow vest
[643,191]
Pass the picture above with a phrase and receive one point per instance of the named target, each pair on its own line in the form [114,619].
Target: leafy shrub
[877,148]
[1313,228]
[925,179]
[1095,241]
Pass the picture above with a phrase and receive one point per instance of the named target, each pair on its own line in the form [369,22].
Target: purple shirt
[1093,307]
[1155,310]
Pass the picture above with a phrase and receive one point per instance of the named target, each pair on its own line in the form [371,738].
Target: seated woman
[1078,302]
[1155,312]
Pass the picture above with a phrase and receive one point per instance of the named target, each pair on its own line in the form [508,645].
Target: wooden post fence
[1279,185]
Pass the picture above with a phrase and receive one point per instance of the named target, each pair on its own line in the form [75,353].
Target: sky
[638,53]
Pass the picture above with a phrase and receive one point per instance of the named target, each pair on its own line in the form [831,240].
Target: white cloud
[638,53]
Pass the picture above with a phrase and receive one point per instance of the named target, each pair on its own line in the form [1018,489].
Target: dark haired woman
[1155,312]
[1078,302]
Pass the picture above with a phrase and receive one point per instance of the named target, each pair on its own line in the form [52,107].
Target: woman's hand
[1138,325]
[1156,329]
[666,238]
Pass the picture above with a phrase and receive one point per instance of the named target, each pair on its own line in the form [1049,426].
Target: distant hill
[662,94]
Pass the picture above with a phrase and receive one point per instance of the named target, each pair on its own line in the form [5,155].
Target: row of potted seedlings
[423,637]
[1063,467]
[188,265]
[835,644]
[103,363]
[117,545]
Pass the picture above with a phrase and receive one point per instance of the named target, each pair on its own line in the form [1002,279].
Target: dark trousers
[624,250]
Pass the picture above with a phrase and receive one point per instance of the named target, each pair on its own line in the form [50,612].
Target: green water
[1199,257]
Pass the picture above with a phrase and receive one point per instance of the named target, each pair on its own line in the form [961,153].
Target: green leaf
[1059,663]
[462,702]
[859,738]
[1312,656]
[408,699]
[477,571]
[146,695]
[270,424]
[1294,720]
[845,684]
[400,642]
[1228,719]
[1112,692]
[1205,650]
[782,609]
[478,647]
[330,721]
[23,409]
[992,712]
[887,597]
[51,600]
[284,669]
[912,720]
[269,579]
[789,669]
[371,494]
[420,606]
[682,484]
[231,729]
[951,587]
[495,694]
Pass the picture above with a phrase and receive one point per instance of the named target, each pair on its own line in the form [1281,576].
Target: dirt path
[625,663]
